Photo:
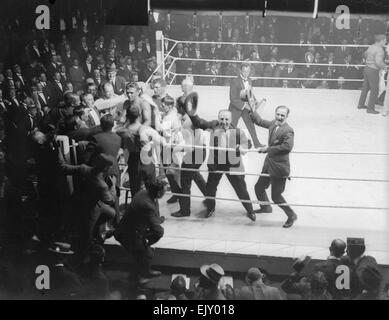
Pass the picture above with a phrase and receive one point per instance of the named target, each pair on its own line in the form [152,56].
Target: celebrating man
[276,164]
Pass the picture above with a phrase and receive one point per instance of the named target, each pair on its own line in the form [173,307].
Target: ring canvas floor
[323,120]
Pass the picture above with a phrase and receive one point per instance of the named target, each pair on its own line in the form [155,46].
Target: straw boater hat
[212,272]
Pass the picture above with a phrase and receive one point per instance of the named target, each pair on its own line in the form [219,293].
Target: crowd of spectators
[80,83]
[283,62]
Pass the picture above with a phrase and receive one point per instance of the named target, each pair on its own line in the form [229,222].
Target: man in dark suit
[43,98]
[88,66]
[147,71]
[328,267]
[141,227]
[237,106]
[224,135]
[276,165]
[109,143]
[56,90]
[118,82]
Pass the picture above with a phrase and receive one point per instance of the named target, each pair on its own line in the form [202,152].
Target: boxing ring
[338,185]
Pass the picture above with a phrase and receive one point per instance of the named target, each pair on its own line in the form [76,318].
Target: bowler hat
[212,272]
[178,285]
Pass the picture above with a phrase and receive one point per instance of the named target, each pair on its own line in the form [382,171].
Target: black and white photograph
[194,150]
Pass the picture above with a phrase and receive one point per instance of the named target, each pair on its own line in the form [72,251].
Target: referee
[374,62]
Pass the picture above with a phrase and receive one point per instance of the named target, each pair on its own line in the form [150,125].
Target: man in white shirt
[91,111]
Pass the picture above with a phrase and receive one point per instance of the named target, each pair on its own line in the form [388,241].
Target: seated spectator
[357,262]
[370,279]
[256,289]
[77,76]
[64,283]
[328,267]
[118,83]
[207,286]
[92,114]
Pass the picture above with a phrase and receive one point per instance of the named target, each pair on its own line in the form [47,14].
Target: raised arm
[199,123]
[259,121]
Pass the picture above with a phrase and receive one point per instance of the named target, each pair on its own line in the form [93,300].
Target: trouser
[186,184]
[141,254]
[385,109]
[171,174]
[236,114]
[370,82]
[277,188]
[238,183]
[138,172]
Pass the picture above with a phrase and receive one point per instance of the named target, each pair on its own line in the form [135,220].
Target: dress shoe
[362,107]
[210,213]
[162,219]
[153,273]
[179,214]
[372,111]
[251,216]
[290,221]
[384,114]
[171,200]
[264,210]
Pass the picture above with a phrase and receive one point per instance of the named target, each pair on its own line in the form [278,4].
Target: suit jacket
[65,284]
[232,158]
[236,86]
[88,74]
[328,267]
[45,100]
[55,93]
[280,144]
[109,143]
[120,85]
[140,222]
[258,291]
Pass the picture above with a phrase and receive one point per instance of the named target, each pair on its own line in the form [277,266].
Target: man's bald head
[338,247]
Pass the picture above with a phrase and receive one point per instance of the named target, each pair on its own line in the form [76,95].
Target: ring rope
[272,203]
[270,62]
[256,78]
[296,152]
[268,175]
[272,44]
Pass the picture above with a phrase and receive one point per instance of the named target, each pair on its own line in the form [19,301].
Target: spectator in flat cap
[357,260]
[207,287]
[256,289]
